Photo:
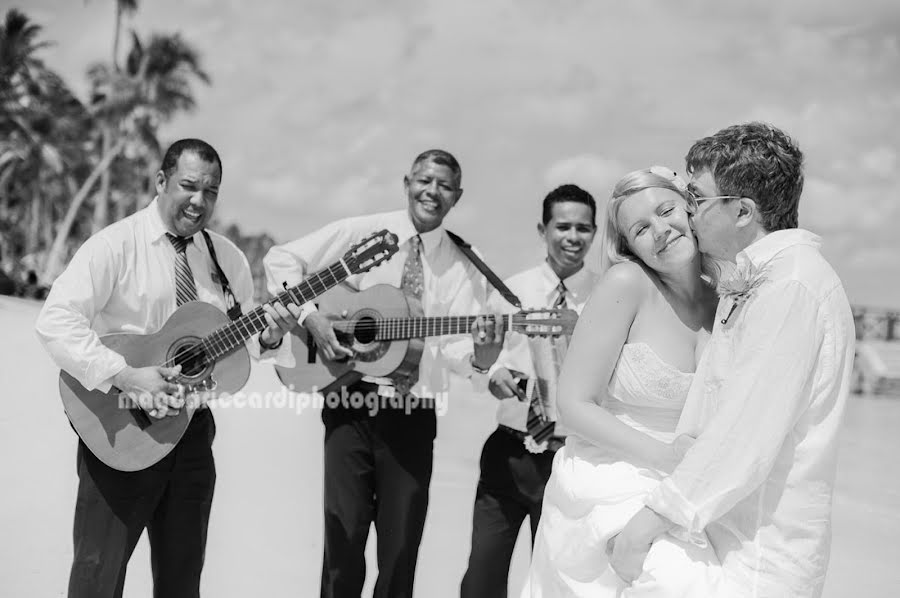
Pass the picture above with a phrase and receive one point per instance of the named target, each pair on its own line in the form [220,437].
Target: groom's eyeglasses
[694,200]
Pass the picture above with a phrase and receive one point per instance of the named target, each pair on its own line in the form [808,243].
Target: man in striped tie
[516,459]
[130,277]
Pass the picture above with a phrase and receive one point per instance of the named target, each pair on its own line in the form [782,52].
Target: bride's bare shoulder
[625,278]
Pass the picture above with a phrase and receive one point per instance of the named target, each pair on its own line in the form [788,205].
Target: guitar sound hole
[192,359]
[365,330]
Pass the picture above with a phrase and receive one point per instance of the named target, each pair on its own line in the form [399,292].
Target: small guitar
[386,340]
[210,349]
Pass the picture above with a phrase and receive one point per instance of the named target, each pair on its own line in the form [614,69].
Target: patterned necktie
[560,302]
[539,426]
[185,290]
[412,283]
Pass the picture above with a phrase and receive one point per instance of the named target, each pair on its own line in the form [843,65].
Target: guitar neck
[392,329]
[233,335]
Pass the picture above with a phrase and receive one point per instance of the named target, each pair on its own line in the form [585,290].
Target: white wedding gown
[593,493]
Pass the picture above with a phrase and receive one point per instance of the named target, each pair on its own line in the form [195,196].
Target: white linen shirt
[536,288]
[453,285]
[122,279]
[765,406]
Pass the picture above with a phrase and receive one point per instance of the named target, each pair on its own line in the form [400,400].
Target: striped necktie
[539,426]
[560,302]
[412,283]
[185,290]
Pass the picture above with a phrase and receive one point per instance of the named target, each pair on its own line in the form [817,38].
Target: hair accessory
[670,175]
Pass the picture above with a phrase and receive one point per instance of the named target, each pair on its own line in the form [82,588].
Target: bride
[621,391]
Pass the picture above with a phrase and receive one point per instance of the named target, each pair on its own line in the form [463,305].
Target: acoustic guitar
[385,340]
[211,350]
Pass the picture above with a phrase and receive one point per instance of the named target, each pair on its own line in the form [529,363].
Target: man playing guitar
[129,277]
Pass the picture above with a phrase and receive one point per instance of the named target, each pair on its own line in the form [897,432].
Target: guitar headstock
[371,251]
[545,322]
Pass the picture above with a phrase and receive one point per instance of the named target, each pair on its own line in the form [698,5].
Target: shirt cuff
[667,500]
[102,378]
[281,355]
[305,310]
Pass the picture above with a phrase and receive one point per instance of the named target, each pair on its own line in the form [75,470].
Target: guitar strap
[485,269]
[232,305]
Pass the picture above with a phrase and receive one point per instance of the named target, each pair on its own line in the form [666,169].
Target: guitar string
[229,329]
[369,324]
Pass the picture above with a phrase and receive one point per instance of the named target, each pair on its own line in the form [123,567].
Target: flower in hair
[670,175]
[741,286]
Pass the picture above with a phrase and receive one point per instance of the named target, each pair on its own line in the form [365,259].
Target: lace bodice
[646,392]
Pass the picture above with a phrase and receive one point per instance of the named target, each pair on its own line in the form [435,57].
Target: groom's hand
[628,551]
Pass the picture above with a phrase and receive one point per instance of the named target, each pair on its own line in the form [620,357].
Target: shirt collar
[578,284]
[158,229]
[761,251]
[406,230]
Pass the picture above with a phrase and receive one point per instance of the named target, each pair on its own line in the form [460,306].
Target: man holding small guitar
[129,277]
[516,459]
[378,465]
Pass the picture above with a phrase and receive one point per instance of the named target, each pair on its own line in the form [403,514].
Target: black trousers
[172,499]
[377,468]
[510,488]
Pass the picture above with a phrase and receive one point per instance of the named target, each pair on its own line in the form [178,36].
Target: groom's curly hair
[758,161]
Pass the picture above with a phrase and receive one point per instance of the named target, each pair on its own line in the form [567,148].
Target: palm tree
[101,201]
[18,46]
[39,121]
[122,7]
[156,83]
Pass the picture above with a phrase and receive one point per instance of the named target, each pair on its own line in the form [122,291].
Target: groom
[768,395]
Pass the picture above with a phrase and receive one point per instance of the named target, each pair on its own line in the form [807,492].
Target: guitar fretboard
[390,329]
[233,335]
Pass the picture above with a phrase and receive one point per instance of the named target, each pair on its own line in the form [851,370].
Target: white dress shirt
[766,404]
[122,279]
[453,285]
[536,288]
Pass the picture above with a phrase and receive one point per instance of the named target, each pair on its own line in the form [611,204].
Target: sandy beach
[265,534]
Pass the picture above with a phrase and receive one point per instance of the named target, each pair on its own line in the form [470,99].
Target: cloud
[830,207]
[318,107]
[595,174]
[880,162]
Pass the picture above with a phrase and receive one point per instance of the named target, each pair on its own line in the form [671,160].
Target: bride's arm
[601,332]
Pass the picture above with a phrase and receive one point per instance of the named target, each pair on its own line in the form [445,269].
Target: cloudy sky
[317,106]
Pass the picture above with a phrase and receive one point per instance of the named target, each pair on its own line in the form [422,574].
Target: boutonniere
[741,286]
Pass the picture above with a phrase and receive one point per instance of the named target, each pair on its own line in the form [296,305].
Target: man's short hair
[572,193]
[198,146]
[439,156]
[758,161]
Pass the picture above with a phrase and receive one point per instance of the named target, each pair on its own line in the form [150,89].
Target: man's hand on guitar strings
[487,337]
[153,389]
[322,331]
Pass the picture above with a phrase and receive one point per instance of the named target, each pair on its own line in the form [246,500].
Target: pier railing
[876,323]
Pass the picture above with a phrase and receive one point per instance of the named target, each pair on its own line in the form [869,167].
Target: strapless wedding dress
[592,493]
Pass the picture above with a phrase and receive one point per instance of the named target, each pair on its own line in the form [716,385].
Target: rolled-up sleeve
[758,404]
[64,325]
